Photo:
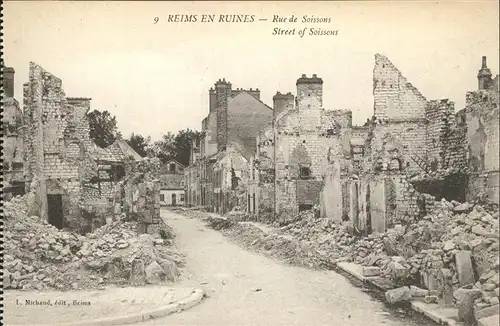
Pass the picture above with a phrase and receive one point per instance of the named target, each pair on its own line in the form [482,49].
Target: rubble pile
[39,256]
[272,244]
[453,246]
[285,219]
[237,214]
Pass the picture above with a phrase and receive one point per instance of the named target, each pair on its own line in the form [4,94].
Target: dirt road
[245,288]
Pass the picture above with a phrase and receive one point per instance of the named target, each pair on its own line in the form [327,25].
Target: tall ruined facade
[72,176]
[54,154]
[13,143]
[482,118]
[293,151]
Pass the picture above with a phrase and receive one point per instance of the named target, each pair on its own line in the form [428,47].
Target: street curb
[193,299]
[421,307]
[416,306]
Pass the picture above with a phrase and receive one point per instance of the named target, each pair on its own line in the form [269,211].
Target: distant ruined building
[218,170]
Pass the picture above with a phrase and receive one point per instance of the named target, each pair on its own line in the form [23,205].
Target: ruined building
[13,146]
[482,120]
[71,174]
[217,178]
[293,151]
[413,148]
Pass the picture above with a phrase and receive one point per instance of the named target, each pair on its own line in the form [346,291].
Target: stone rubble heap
[39,256]
[279,246]
[454,247]
[329,239]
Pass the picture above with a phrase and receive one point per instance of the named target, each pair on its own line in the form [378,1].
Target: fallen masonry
[38,256]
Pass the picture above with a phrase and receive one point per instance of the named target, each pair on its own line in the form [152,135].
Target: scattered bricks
[464,267]
[401,294]
[371,271]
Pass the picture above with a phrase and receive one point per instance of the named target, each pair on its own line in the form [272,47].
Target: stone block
[371,271]
[398,295]
[466,297]
[464,267]
[418,292]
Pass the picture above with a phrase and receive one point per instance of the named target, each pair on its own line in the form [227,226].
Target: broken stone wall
[394,96]
[48,157]
[482,139]
[58,147]
[397,145]
[303,152]
[438,112]
[332,195]
[264,164]
[446,141]
[139,193]
[13,144]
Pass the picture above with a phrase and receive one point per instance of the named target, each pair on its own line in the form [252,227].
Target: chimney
[8,81]
[484,76]
[282,102]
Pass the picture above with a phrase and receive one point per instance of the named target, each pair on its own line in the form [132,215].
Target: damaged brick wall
[305,138]
[482,142]
[394,96]
[59,152]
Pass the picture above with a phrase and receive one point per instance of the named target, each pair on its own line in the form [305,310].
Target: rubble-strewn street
[435,254]
[345,178]
[245,288]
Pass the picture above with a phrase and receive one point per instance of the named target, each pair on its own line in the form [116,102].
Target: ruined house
[413,148]
[13,145]
[229,131]
[73,175]
[293,151]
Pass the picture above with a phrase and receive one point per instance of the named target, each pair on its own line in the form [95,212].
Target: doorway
[355,206]
[174,199]
[55,210]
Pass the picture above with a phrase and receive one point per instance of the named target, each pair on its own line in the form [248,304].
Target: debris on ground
[39,256]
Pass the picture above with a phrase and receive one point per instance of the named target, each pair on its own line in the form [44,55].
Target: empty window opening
[305,172]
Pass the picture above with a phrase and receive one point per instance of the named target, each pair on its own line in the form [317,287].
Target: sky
[155,76]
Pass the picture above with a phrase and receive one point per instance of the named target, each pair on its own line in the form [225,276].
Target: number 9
[156,19]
